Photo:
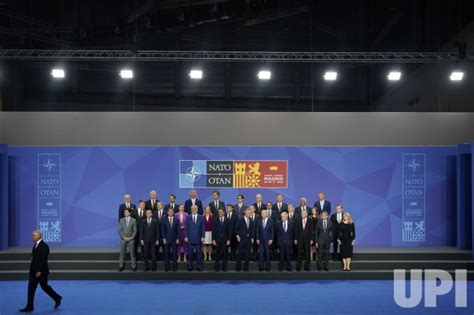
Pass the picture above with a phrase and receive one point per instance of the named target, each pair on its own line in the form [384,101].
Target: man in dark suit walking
[286,232]
[170,239]
[39,272]
[323,239]
[149,238]
[265,235]
[304,238]
[245,237]
[127,204]
[221,235]
[194,236]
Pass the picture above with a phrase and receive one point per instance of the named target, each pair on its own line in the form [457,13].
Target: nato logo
[49,164]
[192,173]
[414,165]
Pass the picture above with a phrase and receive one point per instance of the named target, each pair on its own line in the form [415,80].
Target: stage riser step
[360,265]
[216,276]
[357,256]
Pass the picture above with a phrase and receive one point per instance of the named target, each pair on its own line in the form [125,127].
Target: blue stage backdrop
[396,195]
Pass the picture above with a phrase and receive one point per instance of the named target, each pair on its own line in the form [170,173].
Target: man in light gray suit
[127,231]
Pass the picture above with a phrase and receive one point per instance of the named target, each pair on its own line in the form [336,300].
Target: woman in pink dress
[182,247]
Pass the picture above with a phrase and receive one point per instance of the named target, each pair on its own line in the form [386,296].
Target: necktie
[172,206]
[140,211]
[149,222]
[247,222]
[304,224]
[269,213]
[128,206]
[279,206]
[152,203]
[264,223]
[160,214]
[216,204]
[284,226]
[291,216]
[324,225]
[222,220]
[194,218]
[228,216]
[258,205]
[128,220]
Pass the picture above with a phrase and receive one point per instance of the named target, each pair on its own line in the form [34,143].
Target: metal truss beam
[233,56]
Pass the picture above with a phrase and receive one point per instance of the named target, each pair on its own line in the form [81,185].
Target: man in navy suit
[286,232]
[322,204]
[149,238]
[323,238]
[127,204]
[240,206]
[303,206]
[259,204]
[193,200]
[169,234]
[265,235]
[221,235]
[232,217]
[273,216]
[279,206]
[245,238]
[194,236]
[336,220]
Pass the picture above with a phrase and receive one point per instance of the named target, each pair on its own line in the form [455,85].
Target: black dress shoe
[320,269]
[326,269]
[238,269]
[134,269]
[267,269]
[58,302]
[190,269]
[199,269]
[224,269]
[167,269]
[298,269]
[175,269]
[26,310]
[120,269]
[306,269]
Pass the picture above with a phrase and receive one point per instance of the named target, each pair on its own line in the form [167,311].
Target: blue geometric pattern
[366,180]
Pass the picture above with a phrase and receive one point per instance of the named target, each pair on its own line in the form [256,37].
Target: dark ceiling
[256,25]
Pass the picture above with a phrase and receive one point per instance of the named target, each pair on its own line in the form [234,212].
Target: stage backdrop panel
[396,195]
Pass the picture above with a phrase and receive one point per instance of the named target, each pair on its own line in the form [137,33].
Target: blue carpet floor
[158,297]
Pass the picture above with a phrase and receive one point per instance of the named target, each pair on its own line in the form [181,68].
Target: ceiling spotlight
[394,75]
[195,74]
[126,74]
[58,73]
[264,75]
[456,76]
[330,76]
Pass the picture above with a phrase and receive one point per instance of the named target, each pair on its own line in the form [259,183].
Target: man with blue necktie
[286,231]
[194,237]
[265,234]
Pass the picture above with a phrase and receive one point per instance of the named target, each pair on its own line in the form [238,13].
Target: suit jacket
[298,210]
[327,207]
[188,204]
[263,206]
[321,236]
[122,208]
[175,208]
[267,233]
[335,224]
[240,212]
[284,208]
[149,207]
[305,235]
[296,217]
[221,232]
[275,216]
[255,220]
[130,231]
[39,259]
[169,232]
[245,234]
[156,214]
[194,231]
[137,217]
[285,238]
[232,223]
[150,233]
[213,207]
